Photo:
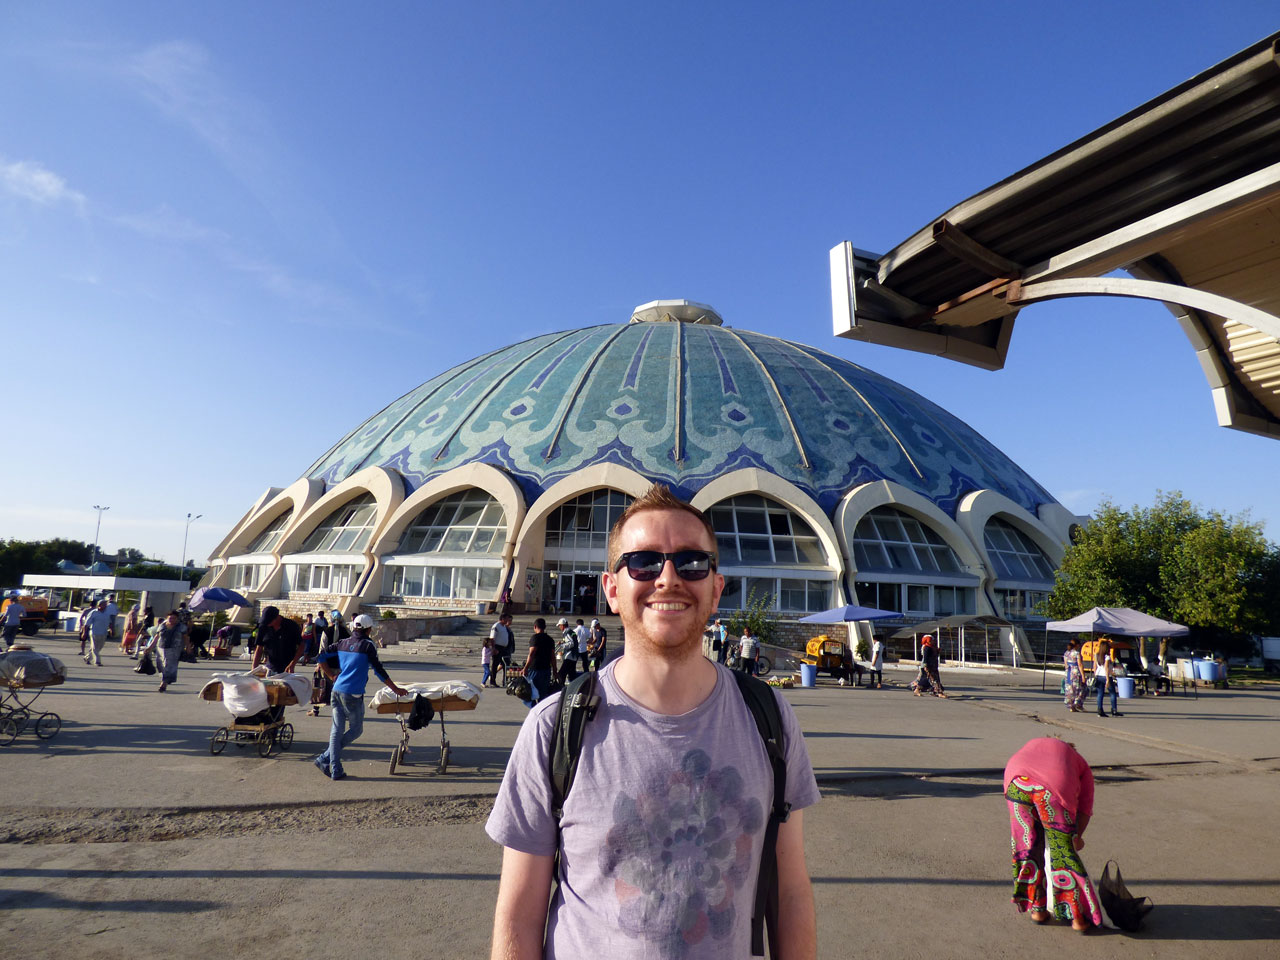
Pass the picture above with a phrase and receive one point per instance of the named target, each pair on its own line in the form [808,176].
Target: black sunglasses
[647,564]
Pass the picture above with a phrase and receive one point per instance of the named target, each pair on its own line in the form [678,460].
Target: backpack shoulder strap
[761,701]
[578,705]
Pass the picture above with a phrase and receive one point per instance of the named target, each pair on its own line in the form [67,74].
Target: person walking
[597,643]
[568,648]
[539,663]
[348,664]
[1074,689]
[504,645]
[168,647]
[279,642]
[748,652]
[877,665]
[14,611]
[132,626]
[720,641]
[97,627]
[1104,677]
[1049,788]
[928,679]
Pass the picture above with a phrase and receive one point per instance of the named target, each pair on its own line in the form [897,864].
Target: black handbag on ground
[1125,910]
[145,666]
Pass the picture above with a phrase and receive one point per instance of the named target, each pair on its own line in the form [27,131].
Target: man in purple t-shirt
[662,833]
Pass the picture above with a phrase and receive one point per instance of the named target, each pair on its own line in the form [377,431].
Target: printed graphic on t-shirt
[679,851]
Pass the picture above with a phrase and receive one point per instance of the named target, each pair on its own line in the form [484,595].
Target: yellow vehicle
[1089,647]
[37,613]
[833,657]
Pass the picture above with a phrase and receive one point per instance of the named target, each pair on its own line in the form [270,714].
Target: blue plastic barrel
[1124,688]
[808,674]
[1204,670]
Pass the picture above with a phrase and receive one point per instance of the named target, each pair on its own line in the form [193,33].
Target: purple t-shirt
[663,829]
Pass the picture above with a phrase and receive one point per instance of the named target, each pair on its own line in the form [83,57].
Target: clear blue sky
[229,232]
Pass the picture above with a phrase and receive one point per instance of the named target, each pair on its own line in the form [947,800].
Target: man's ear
[611,590]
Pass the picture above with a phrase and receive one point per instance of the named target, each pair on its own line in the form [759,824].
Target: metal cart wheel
[763,666]
[444,758]
[395,758]
[8,731]
[266,740]
[284,736]
[218,742]
[48,725]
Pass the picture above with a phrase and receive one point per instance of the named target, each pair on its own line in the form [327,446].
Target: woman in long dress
[1075,689]
[1049,787]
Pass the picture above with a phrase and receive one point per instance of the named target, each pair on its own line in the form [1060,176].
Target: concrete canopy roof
[1183,193]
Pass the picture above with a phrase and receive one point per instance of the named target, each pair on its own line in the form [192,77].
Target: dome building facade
[826,483]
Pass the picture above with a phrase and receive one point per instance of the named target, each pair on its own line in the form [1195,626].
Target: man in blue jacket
[348,664]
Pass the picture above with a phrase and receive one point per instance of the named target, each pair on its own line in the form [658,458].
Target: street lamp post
[182,561]
[96,531]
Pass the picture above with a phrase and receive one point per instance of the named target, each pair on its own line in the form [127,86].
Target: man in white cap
[348,663]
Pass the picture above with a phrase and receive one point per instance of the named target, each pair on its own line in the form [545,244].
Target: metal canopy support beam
[1260,320]
[963,247]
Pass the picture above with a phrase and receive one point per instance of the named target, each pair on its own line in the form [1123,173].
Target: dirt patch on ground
[115,825]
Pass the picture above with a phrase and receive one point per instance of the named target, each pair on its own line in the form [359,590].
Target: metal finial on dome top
[683,311]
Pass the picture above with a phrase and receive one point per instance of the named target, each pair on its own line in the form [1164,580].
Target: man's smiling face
[667,613]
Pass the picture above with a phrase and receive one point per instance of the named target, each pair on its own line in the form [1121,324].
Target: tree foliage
[19,557]
[1217,574]
[758,615]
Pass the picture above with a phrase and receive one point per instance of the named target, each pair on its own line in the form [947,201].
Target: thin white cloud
[38,184]
[164,223]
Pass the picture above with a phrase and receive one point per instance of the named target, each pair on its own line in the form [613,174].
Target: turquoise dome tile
[682,403]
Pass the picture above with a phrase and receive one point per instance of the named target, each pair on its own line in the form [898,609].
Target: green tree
[758,615]
[1214,573]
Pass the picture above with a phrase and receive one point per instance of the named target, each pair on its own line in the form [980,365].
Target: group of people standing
[581,648]
[1104,677]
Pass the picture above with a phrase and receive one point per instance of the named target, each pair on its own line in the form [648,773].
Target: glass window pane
[784,551]
[810,551]
[901,556]
[761,587]
[918,598]
[731,598]
[751,521]
[819,596]
[722,520]
[779,524]
[727,547]
[756,550]
[946,559]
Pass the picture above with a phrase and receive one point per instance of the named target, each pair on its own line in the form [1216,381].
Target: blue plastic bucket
[808,674]
[1206,670]
[1124,688]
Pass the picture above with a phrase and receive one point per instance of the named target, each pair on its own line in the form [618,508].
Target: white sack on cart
[462,689]
[243,694]
[300,685]
[22,665]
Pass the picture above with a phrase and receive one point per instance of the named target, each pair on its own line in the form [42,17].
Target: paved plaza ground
[124,838]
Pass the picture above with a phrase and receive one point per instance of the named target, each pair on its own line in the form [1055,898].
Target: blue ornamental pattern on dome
[683,404]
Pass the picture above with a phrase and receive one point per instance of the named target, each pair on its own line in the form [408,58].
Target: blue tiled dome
[682,403]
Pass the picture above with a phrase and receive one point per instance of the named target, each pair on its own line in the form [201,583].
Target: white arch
[298,497]
[533,532]
[977,508]
[388,492]
[479,476]
[861,500]
[754,480]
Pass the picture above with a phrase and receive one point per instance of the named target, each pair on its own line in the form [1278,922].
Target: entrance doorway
[586,593]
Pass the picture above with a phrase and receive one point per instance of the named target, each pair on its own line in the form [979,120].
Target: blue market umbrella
[850,611]
[209,599]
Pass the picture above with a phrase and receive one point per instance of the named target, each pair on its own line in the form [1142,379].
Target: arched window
[1025,570]
[346,529]
[1014,555]
[269,537]
[755,536]
[467,522]
[576,549]
[459,540]
[890,540]
[905,565]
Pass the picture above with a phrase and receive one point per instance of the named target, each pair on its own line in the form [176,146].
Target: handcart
[24,675]
[444,697]
[16,714]
[265,728]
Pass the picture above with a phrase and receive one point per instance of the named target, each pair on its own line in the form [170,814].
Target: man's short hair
[540,624]
[579,621]
[657,497]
